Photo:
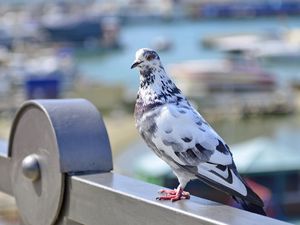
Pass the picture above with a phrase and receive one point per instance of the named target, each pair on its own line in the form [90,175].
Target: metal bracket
[48,139]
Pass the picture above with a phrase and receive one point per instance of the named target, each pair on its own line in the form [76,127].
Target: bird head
[146,57]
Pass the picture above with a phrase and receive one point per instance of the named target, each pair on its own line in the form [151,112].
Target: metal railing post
[49,139]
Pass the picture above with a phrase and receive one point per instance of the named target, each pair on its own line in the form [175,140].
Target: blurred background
[238,61]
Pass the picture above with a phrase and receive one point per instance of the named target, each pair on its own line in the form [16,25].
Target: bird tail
[252,202]
[250,207]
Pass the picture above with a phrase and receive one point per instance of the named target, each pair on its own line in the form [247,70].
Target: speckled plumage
[179,135]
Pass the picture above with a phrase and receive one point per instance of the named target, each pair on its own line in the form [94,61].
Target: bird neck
[157,87]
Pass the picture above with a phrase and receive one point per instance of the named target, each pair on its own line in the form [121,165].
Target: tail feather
[250,207]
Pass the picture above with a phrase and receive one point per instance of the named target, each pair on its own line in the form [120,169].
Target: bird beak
[135,64]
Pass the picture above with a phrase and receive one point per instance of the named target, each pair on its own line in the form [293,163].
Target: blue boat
[75,30]
[83,31]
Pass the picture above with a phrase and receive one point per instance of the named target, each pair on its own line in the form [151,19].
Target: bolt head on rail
[31,168]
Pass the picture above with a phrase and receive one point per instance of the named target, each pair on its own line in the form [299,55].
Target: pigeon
[180,136]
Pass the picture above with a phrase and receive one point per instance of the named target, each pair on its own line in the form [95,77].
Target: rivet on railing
[31,168]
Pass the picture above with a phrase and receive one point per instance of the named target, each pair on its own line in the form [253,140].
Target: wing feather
[185,135]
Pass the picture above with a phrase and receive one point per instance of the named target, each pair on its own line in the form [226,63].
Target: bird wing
[184,136]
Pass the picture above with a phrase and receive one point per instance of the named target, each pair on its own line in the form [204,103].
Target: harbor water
[113,67]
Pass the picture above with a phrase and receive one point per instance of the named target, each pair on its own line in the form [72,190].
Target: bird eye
[150,57]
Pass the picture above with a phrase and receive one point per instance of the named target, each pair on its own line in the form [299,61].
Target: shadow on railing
[58,168]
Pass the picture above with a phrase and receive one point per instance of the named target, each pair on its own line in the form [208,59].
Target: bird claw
[173,195]
[164,191]
[173,198]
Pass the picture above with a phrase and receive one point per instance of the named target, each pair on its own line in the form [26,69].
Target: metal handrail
[58,168]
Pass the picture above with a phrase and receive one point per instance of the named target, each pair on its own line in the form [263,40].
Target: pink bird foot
[174,195]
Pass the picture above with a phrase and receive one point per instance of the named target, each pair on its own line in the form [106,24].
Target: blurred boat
[269,46]
[268,50]
[235,86]
[161,43]
[223,40]
[48,76]
[234,74]
[279,51]
[284,47]
[87,31]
